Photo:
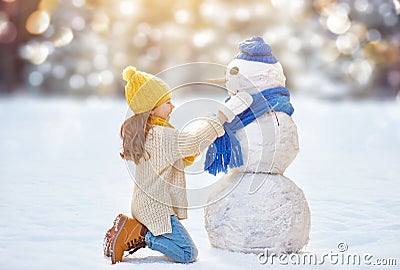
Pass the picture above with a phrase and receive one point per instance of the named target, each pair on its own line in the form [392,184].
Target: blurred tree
[13,35]
[328,48]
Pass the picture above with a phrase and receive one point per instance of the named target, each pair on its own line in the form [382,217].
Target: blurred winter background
[331,49]
[61,106]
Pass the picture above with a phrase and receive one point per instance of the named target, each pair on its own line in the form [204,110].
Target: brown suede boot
[127,234]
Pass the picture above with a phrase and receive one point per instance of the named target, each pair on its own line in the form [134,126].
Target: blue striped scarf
[226,151]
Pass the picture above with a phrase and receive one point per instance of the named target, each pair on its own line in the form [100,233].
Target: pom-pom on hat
[144,91]
[255,49]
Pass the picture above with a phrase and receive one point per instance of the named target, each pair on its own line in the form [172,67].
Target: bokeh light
[182,16]
[359,30]
[107,77]
[390,19]
[363,6]
[127,7]
[83,66]
[119,28]
[393,78]
[140,40]
[100,62]
[78,23]
[203,38]
[78,3]
[36,52]
[82,45]
[347,43]
[8,32]
[48,6]
[94,79]
[77,81]
[338,22]
[63,37]
[35,78]
[396,4]
[100,23]
[373,35]
[330,54]
[38,22]
[45,68]
[242,14]
[153,53]
[360,70]
[59,72]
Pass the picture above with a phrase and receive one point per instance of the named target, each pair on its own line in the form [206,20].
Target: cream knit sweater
[159,190]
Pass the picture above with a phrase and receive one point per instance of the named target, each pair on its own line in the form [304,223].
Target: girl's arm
[193,142]
[190,143]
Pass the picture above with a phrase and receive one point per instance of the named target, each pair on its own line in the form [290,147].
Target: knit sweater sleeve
[183,143]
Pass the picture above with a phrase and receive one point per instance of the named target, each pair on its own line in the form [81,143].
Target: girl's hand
[221,117]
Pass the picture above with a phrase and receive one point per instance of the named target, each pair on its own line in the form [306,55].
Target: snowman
[256,207]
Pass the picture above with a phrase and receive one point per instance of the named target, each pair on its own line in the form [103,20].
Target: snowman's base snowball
[276,217]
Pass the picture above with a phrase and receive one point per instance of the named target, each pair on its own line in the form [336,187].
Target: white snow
[274,216]
[63,183]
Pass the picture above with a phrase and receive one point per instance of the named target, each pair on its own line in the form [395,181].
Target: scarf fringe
[224,153]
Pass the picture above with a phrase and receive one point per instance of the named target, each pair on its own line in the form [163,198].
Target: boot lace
[136,244]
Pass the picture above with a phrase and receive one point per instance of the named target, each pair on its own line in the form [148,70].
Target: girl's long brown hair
[133,134]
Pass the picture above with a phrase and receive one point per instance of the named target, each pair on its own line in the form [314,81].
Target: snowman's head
[254,68]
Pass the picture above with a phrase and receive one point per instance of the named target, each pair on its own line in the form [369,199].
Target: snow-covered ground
[63,182]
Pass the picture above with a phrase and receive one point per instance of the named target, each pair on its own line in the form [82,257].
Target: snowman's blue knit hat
[255,49]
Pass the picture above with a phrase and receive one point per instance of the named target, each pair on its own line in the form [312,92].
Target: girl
[160,154]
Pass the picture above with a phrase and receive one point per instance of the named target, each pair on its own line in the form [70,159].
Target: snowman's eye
[234,71]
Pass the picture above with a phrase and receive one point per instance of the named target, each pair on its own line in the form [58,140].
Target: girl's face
[163,110]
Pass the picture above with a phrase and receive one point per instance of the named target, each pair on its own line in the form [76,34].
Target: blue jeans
[177,245]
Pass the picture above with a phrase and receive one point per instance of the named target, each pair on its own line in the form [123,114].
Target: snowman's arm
[235,105]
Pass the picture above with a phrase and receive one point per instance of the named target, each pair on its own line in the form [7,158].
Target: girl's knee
[190,255]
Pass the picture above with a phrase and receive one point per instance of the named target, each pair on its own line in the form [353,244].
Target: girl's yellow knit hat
[144,91]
